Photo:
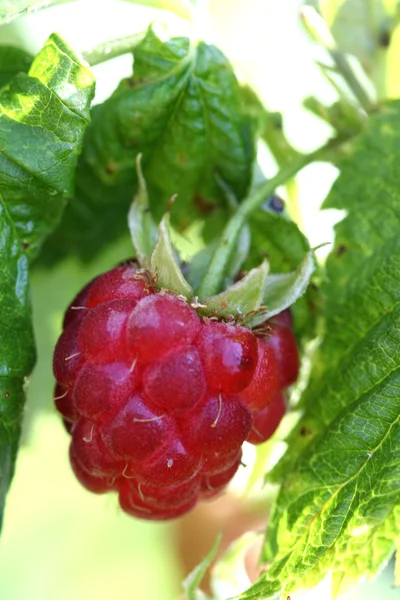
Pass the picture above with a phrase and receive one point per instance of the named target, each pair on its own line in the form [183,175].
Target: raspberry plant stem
[213,279]
[113,48]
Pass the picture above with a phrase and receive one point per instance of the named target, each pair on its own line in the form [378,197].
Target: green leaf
[38,153]
[141,224]
[36,175]
[39,148]
[193,580]
[12,61]
[181,110]
[277,237]
[164,263]
[241,298]
[17,352]
[337,509]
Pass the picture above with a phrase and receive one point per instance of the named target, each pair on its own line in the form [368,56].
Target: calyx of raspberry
[251,301]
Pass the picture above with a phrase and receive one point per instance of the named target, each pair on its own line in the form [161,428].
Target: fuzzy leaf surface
[181,109]
[338,506]
[43,116]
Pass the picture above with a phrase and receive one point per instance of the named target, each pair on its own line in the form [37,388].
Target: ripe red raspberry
[266,380]
[266,420]
[159,401]
[281,339]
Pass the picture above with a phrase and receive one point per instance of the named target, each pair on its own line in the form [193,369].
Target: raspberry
[135,503]
[212,485]
[121,282]
[64,403]
[266,380]
[215,463]
[68,357]
[137,430]
[220,425]
[97,485]
[183,369]
[266,420]
[159,401]
[100,390]
[101,334]
[229,355]
[283,343]
[160,323]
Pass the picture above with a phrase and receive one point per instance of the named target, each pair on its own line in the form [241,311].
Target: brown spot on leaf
[305,431]
[384,39]
[202,204]
[341,249]
[111,168]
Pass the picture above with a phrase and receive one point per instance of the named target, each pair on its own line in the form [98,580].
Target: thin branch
[212,281]
[113,48]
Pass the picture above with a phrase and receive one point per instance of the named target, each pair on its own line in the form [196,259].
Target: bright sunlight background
[60,542]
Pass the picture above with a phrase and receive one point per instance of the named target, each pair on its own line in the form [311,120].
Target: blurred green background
[60,542]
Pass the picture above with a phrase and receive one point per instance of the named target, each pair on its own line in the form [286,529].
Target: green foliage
[181,110]
[338,505]
[17,345]
[194,579]
[39,151]
[277,237]
[36,175]
[12,61]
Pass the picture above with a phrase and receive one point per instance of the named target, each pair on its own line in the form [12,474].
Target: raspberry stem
[214,277]
[112,49]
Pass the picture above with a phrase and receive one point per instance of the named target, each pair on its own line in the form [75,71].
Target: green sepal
[281,291]
[164,264]
[193,580]
[241,298]
[140,221]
